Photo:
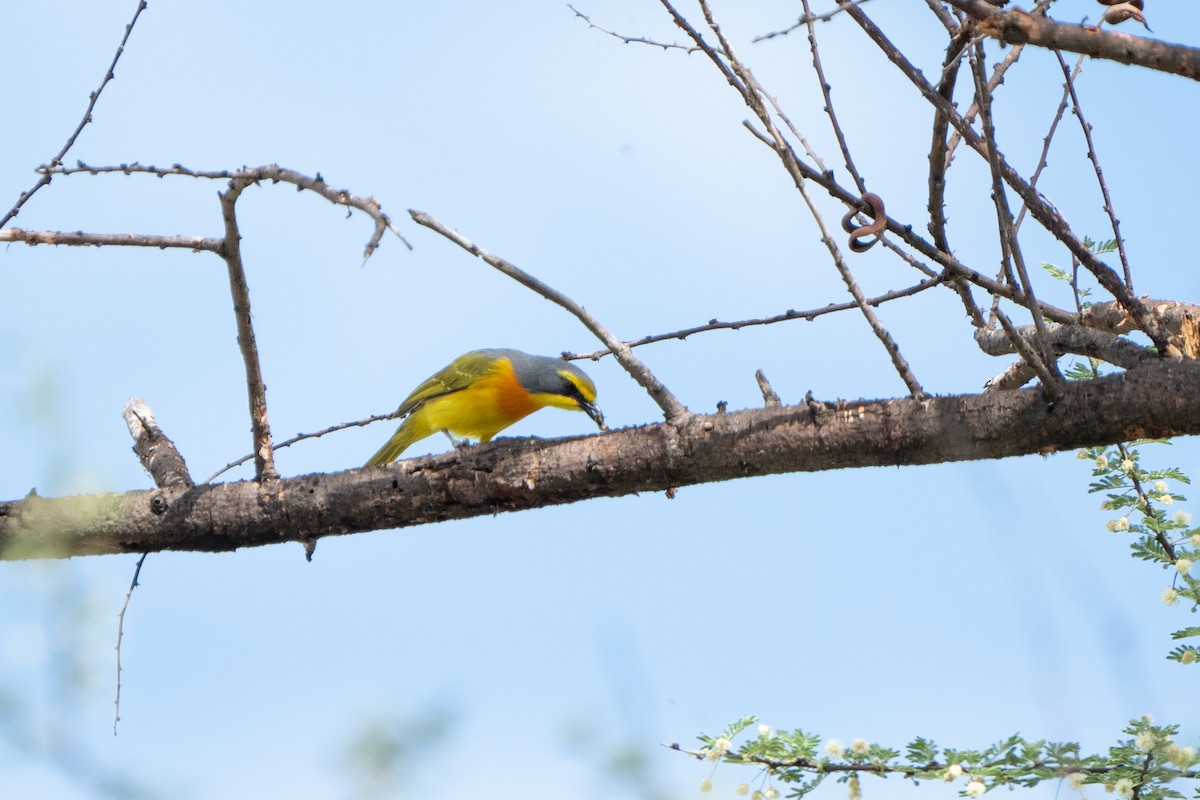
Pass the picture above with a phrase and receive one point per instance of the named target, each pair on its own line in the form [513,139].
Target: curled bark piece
[871,205]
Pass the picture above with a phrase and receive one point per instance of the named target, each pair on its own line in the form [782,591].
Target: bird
[482,392]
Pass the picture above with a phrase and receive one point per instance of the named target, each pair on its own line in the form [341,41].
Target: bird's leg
[458,443]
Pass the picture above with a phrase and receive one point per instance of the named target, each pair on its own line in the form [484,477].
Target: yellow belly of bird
[482,410]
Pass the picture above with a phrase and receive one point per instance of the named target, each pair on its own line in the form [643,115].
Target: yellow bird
[482,392]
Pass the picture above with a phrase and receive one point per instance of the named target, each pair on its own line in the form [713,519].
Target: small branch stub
[156,452]
[770,396]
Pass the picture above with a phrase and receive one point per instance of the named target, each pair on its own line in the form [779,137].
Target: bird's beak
[593,411]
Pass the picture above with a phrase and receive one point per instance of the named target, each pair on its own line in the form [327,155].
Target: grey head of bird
[549,375]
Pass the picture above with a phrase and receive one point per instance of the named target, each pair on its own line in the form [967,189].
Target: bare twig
[1095,159]
[1009,243]
[716,55]
[264,462]
[944,16]
[807,19]
[269,172]
[341,426]
[940,157]
[1043,159]
[790,314]
[121,635]
[93,98]
[939,149]
[674,411]
[1050,380]
[81,239]
[632,39]
[993,84]
[1039,9]
[826,90]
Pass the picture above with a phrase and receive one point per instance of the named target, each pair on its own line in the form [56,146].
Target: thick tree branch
[1069,339]
[1020,27]
[1157,399]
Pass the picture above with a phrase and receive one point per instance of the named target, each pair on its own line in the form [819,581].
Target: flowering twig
[1170,542]
[1150,761]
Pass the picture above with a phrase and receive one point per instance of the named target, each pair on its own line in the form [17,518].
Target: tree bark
[1159,399]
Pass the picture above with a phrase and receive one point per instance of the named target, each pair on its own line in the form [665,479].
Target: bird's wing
[458,375]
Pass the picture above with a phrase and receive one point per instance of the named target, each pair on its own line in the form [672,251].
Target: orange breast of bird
[486,407]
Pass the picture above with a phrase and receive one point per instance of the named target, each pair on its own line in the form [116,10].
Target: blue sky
[958,602]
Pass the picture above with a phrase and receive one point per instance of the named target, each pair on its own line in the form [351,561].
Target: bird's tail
[411,430]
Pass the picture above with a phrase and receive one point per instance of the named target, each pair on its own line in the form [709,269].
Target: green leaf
[921,751]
